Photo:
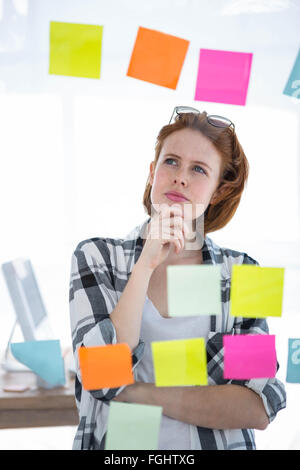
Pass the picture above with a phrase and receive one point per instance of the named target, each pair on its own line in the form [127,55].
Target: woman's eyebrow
[194,161]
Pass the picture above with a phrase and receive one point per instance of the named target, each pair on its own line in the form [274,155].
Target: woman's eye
[200,169]
[170,160]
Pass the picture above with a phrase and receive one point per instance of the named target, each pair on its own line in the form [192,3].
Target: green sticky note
[179,362]
[75,49]
[132,426]
[194,290]
[256,292]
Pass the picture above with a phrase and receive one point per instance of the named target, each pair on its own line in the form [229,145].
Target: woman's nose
[180,179]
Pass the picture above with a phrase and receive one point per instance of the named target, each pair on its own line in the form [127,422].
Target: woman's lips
[172,197]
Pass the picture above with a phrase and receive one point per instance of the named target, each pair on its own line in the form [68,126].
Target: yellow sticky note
[75,49]
[179,362]
[256,292]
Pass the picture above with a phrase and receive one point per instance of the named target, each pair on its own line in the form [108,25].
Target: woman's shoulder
[224,254]
[101,253]
[99,242]
[112,250]
[100,248]
[112,246]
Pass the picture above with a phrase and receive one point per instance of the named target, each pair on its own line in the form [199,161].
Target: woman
[118,294]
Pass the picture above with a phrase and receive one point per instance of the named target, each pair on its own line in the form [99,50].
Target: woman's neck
[185,255]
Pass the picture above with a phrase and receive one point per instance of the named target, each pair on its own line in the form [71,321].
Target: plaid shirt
[100,269]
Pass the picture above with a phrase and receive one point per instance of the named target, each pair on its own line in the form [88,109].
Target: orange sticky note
[157,57]
[107,366]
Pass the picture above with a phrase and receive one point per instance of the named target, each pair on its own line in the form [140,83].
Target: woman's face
[189,164]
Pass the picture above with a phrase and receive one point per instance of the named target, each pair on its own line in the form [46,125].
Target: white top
[174,435]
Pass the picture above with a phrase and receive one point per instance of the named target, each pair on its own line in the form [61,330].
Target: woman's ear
[151,174]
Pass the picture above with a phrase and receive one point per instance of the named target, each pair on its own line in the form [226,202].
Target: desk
[35,407]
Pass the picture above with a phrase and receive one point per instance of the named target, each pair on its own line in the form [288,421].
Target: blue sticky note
[292,87]
[42,357]
[293,365]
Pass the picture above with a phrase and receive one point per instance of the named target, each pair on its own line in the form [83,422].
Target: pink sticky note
[223,76]
[249,356]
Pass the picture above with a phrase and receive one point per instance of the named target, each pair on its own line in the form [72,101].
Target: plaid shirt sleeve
[271,390]
[92,298]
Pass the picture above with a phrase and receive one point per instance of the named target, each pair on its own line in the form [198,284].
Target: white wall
[75,152]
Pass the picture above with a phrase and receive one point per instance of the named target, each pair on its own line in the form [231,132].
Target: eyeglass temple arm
[174,111]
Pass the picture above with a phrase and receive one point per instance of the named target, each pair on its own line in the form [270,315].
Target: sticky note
[223,76]
[293,365]
[44,358]
[292,87]
[249,356]
[105,366]
[194,290]
[179,362]
[256,292]
[132,426]
[75,49]
[157,57]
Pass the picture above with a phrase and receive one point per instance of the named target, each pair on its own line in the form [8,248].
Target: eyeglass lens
[186,109]
[218,121]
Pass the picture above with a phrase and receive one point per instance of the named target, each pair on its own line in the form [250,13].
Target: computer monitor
[28,304]
[31,314]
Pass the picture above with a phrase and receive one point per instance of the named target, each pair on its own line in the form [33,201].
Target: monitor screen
[27,300]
